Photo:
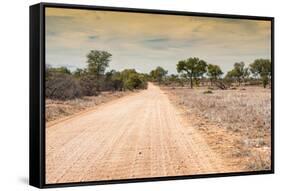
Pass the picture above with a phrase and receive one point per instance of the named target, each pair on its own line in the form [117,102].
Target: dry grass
[56,109]
[242,118]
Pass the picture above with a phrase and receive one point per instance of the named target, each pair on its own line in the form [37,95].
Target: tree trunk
[191,83]
[98,83]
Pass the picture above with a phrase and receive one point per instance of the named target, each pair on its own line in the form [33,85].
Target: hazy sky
[145,41]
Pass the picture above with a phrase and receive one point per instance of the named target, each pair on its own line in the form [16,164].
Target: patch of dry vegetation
[236,122]
[57,109]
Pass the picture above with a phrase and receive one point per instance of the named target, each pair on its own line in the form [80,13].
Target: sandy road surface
[142,135]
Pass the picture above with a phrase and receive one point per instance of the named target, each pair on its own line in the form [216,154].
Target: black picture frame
[37,92]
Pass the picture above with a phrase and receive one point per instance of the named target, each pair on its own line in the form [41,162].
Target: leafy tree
[192,68]
[214,72]
[98,61]
[239,73]
[158,74]
[230,76]
[133,80]
[262,69]
[117,81]
[112,81]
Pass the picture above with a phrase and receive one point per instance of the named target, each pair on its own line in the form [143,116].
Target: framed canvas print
[123,95]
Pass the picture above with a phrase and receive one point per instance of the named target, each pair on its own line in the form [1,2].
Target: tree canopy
[192,68]
[261,68]
[158,74]
[239,72]
[214,72]
[98,61]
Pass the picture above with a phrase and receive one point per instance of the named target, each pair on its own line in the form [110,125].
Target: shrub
[207,92]
[62,86]
[112,81]
[133,80]
[89,85]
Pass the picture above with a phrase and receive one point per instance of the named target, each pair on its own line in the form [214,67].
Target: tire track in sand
[142,135]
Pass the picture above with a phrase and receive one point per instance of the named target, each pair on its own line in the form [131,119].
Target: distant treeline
[63,84]
[196,71]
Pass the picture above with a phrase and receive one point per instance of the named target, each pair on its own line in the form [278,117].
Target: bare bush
[62,86]
[89,85]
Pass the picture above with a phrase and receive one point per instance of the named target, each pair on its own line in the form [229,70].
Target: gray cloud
[144,41]
[93,37]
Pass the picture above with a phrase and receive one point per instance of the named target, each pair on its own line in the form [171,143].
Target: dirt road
[142,135]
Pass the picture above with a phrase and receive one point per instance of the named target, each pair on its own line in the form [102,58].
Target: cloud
[144,41]
[156,40]
[93,37]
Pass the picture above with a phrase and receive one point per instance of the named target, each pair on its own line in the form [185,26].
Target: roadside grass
[244,114]
[236,109]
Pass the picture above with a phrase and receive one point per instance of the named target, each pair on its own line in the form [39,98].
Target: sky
[145,41]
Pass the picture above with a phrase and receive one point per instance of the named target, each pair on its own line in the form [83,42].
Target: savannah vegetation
[62,84]
[233,111]
[198,73]
[237,101]
[235,121]
[69,92]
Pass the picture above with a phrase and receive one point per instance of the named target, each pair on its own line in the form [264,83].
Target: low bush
[133,80]
[62,86]
[89,85]
[207,92]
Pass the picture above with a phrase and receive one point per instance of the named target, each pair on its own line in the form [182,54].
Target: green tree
[192,68]
[158,74]
[230,76]
[133,80]
[262,68]
[98,61]
[214,72]
[239,73]
[112,81]
[117,81]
